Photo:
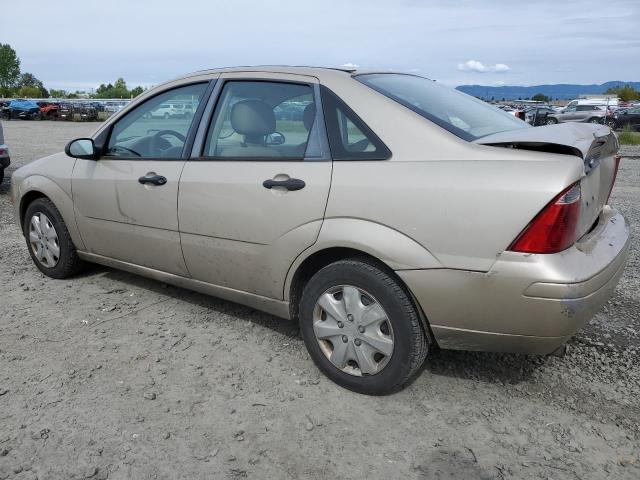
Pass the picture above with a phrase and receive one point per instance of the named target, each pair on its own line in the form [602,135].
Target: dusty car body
[385,225]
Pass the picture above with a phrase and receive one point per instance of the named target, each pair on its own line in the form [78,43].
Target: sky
[78,44]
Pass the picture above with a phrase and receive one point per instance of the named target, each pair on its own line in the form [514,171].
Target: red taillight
[555,228]
[616,159]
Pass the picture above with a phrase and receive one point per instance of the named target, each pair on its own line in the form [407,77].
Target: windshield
[457,112]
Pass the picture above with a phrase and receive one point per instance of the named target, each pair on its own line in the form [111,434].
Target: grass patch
[629,137]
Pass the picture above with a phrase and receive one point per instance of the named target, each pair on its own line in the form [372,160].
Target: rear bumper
[525,303]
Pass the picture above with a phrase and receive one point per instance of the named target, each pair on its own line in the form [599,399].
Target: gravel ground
[109,375]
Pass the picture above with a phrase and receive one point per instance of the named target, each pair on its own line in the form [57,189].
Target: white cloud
[479,67]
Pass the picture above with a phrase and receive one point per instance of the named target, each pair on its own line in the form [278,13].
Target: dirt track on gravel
[109,375]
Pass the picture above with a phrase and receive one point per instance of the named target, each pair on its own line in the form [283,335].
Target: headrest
[252,118]
[309,115]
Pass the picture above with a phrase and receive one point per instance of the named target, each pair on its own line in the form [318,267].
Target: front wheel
[595,120]
[48,240]
[361,327]
[551,121]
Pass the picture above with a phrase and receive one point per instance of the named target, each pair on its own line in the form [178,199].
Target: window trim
[335,138]
[197,152]
[103,139]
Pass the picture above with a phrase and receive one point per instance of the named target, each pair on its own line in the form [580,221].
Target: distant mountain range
[562,91]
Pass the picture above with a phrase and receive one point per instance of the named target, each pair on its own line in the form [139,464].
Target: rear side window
[349,137]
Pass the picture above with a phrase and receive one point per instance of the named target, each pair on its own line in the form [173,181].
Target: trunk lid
[596,145]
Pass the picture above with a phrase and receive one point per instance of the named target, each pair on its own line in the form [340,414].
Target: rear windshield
[457,112]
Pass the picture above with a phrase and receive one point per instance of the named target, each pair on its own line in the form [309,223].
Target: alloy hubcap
[43,239]
[353,330]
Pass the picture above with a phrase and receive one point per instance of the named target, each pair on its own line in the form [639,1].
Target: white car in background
[172,110]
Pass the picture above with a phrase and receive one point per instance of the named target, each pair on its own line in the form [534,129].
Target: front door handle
[153,179]
[290,184]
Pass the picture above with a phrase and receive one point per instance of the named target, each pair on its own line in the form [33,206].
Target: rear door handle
[290,184]
[153,179]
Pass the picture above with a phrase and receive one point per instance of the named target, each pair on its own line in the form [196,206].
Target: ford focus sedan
[386,213]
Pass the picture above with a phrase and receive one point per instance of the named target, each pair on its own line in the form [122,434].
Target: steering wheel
[154,143]
[120,147]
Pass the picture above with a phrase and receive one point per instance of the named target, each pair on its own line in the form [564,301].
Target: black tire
[1,174]
[410,342]
[595,120]
[68,263]
[551,121]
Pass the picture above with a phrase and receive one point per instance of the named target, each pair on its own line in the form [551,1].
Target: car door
[568,114]
[253,195]
[126,201]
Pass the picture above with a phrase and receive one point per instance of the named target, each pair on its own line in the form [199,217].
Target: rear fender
[391,247]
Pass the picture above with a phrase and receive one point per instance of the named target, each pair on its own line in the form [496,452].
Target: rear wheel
[361,328]
[594,120]
[48,240]
[551,121]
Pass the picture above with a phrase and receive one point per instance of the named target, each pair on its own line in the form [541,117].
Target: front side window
[154,129]
[263,120]
[461,114]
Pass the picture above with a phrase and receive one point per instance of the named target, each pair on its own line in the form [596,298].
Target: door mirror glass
[82,148]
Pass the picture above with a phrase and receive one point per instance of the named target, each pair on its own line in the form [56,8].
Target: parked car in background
[87,112]
[603,101]
[5,160]
[394,216]
[48,110]
[113,107]
[628,117]
[578,113]
[537,116]
[65,111]
[24,110]
[4,108]
[171,110]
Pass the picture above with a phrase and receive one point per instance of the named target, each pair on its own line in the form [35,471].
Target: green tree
[9,69]
[625,93]
[539,97]
[117,90]
[136,91]
[29,80]
[58,93]
[29,92]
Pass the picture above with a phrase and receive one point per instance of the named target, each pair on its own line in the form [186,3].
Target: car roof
[318,72]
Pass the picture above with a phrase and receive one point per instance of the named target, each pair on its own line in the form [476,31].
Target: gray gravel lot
[109,375]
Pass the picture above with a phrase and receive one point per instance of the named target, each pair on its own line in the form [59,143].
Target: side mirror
[82,148]
[275,138]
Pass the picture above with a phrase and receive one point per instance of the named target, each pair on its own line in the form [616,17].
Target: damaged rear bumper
[526,303]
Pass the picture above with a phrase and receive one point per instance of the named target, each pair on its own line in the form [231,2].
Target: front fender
[390,246]
[60,198]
